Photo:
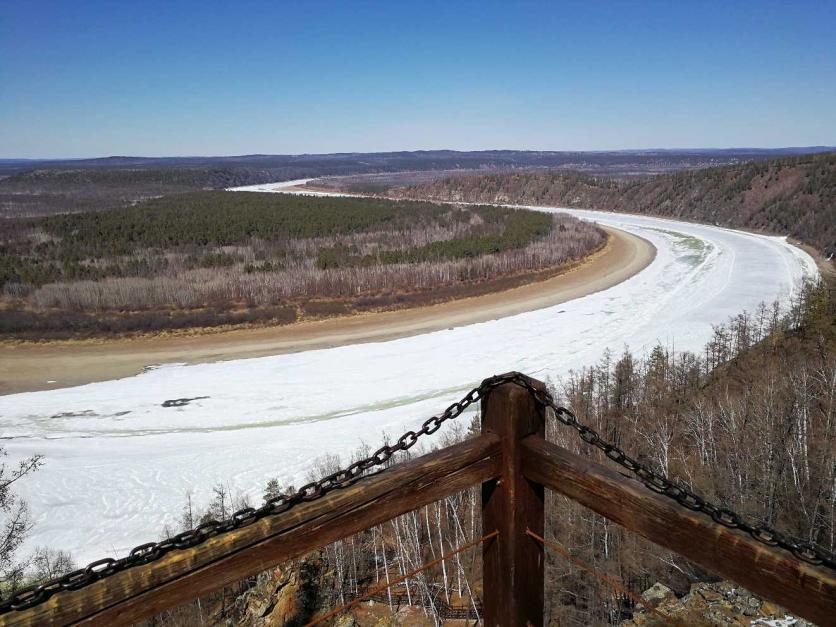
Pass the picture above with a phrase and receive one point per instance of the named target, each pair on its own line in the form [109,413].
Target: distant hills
[31,187]
[793,196]
[310,165]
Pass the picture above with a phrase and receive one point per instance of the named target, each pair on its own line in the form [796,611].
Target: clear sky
[83,78]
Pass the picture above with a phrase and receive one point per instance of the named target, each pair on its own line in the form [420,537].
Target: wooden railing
[514,464]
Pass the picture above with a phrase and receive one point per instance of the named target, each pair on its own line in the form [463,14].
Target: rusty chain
[145,553]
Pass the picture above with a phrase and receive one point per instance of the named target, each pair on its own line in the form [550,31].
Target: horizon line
[814,147]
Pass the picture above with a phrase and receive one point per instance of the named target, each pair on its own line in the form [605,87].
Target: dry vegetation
[209,258]
[790,196]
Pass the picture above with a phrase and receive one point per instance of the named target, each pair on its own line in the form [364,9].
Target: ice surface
[787,621]
[118,464]
[284,187]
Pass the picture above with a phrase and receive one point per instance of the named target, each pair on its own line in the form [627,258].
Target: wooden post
[513,561]
[769,572]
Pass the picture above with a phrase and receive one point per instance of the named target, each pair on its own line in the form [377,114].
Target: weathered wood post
[513,561]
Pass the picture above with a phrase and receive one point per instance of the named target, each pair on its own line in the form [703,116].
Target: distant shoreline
[27,366]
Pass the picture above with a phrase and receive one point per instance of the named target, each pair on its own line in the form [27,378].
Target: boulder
[719,604]
[657,594]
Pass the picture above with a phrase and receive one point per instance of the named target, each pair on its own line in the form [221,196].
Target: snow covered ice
[118,464]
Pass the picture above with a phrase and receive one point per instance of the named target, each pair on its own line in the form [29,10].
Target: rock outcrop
[722,604]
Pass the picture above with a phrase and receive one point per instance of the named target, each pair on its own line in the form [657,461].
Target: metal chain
[151,551]
[662,485]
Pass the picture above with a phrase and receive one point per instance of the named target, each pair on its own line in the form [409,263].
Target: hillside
[789,196]
[42,187]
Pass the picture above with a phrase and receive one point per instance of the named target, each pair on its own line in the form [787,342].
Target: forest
[213,257]
[793,196]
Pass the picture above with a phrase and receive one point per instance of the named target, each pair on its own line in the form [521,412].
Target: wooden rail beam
[772,573]
[512,563]
[183,575]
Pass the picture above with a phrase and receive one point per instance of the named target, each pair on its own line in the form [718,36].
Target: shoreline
[30,367]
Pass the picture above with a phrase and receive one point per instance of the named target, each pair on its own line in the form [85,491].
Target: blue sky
[83,78]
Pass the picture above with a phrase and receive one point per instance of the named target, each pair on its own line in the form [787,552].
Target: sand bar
[31,366]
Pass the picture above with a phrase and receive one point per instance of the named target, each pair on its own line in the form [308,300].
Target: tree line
[789,196]
[74,246]
[220,255]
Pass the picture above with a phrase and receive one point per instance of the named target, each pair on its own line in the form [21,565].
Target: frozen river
[118,464]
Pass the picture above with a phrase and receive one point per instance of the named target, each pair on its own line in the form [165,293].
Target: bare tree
[14,518]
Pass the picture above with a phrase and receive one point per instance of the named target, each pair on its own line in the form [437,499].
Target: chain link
[145,553]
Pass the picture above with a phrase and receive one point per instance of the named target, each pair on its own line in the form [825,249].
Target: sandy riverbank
[42,366]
